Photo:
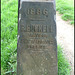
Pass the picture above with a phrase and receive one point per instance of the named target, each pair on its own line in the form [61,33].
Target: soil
[65,38]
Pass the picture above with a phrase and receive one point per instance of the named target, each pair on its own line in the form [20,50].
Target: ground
[65,37]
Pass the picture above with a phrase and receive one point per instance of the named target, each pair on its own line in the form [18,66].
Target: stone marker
[37,46]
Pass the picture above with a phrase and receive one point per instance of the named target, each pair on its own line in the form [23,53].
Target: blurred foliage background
[66,8]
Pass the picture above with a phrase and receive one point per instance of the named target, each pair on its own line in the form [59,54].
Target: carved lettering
[40,28]
[45,12]
[38,11]
[36,28]
[28,28]
[34,47]
[28,12]
[32,11]
[45,28]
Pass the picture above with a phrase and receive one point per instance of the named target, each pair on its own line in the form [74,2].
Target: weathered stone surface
[37,47]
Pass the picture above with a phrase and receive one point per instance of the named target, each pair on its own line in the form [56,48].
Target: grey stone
[37,45]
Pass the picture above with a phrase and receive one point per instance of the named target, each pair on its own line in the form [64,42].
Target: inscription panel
[37,49]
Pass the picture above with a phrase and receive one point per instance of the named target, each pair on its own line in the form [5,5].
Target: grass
[9,24]
[9,14]
[66,8]
[63,65]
